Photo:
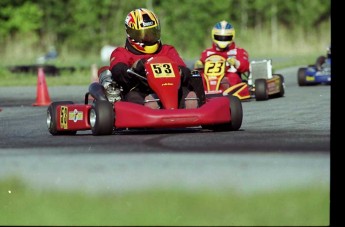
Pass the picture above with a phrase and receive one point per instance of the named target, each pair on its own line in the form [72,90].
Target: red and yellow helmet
[223,34]
[143,30]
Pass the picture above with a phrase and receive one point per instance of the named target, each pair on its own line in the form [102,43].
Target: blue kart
[319,73]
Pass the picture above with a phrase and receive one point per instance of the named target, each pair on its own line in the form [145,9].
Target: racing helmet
[143,30]
[223,34]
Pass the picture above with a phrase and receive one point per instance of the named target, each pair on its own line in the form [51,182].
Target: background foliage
[30,27]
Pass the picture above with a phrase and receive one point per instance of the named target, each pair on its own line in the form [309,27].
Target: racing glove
[232,61]
[139,66]
[105,78]
[198,65]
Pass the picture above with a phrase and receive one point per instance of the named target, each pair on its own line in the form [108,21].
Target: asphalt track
[283,142]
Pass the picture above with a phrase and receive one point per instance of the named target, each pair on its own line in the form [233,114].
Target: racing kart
[263,83]
[103,117]
[314,75]
[214,79]
[259,83]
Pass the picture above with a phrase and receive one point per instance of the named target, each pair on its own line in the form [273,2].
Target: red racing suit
[121,54]
[123,58]
[233,74]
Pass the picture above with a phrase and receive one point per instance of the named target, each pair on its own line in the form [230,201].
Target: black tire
[261,91]
[52,119]
[301,76]
[236,112]
[102,118]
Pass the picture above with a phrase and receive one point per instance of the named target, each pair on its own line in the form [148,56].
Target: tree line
[87,25]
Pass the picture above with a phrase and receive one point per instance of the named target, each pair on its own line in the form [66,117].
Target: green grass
[23,205]
[84,76]
[79,77]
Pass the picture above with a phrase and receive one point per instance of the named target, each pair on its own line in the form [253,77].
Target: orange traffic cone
[42,96]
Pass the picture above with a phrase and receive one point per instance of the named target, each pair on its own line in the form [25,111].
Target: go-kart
[215,82]
[103,117]
[314,75]
[263,83]
[258,83]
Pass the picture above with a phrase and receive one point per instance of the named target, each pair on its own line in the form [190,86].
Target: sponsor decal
[75,115]
[147,24]
[309,78]
[63,117]
[213,92]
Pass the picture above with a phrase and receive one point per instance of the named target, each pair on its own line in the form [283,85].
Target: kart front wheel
[101,118]
[236,115]
[301,77]
[52,119]
[261,91]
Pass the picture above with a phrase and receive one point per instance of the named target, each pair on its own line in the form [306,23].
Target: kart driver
[143,41]
[323,59]
[223,36]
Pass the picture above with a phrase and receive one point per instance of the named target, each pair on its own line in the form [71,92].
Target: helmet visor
[148,36]
[223,38]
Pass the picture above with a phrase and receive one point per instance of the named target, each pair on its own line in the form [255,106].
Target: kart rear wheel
[261,91]
[52,119]
[101,118]
[281,86]
[301,78]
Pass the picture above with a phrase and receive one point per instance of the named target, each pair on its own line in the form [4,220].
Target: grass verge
[23,205]
[85,77]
